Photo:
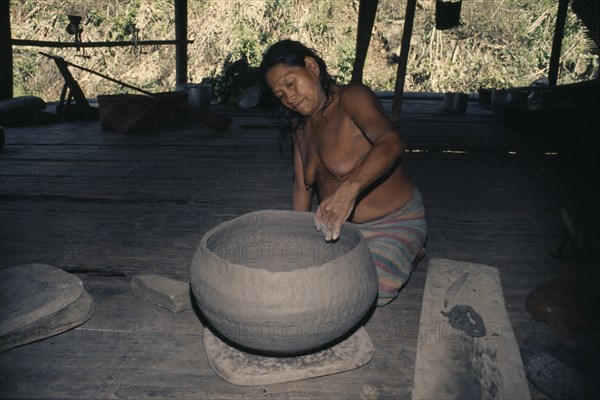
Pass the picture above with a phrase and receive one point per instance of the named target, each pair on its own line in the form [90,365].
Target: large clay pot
[270,283]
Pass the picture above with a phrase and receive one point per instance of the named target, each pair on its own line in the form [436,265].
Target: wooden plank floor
[106,206]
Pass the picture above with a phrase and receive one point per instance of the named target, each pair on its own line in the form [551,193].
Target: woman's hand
[334,210]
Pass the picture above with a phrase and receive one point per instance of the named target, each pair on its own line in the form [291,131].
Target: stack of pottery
[38,301]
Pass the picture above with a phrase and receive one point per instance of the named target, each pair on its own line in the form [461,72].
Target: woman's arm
[363,107]
[301,195]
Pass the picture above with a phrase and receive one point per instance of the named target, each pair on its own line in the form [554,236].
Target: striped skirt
[397,243]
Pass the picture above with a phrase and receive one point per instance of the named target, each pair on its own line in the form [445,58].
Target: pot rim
[228,223]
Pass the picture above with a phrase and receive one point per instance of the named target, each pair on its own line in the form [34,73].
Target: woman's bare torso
[331,146]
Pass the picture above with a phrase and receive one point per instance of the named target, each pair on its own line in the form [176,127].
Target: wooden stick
[411,6]
[211,119]
[559,30]
[46,43]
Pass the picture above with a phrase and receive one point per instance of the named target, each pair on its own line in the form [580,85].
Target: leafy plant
[237,77]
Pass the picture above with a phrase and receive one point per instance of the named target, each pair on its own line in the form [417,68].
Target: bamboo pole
[6,64]
[181,61]
[409,18]
[559,30]
[367,10]
[46,43]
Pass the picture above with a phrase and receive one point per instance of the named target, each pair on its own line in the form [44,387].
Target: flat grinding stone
[69,317]
[454,364]
[30,292]
[245,369]
[172,294]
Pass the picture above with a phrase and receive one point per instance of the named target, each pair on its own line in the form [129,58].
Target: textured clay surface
[268,282]
[38,301]
[245,369]
[29,292]
[172,294]
[69,317]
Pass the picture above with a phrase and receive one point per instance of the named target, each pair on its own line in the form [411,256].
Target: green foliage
[246,43]
[95,19]
[500,43]
[24,68]
[344,60]
[123,20]
[237,77]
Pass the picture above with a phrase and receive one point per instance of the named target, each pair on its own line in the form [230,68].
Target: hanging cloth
[447,14]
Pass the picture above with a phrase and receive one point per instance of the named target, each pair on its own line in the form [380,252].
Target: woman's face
[297,88]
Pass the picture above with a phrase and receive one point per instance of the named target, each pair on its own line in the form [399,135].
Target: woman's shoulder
[355,89]
[356,95]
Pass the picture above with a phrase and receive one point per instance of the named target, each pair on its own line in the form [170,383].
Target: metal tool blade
[455,288]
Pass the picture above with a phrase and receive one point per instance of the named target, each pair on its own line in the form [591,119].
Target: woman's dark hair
[292,53]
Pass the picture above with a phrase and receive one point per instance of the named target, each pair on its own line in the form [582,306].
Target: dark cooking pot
[485,97]
[455,102]
[502,97]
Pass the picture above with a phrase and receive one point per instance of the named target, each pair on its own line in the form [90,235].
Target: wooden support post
[559,30]
[409,18]
[366,18]
[181,62]
[6,56]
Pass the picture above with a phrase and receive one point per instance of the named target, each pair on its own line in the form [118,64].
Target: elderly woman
[348,152]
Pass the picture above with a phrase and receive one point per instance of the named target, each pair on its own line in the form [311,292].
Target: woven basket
[128,112]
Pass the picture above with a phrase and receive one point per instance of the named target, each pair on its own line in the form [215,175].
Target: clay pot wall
[268,282]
